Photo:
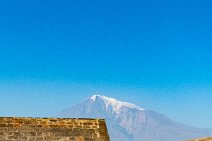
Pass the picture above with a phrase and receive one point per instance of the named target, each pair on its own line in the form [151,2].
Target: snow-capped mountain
[128,122]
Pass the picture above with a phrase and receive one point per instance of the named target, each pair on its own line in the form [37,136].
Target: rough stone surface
[52,129]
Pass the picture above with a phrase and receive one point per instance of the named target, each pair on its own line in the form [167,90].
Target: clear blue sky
[154,53]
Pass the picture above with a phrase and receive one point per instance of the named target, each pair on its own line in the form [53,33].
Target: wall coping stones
[54,129]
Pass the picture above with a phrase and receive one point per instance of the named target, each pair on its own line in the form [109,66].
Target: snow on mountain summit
[115,104]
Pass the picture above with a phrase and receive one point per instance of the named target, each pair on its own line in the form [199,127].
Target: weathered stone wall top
[54,129]
[48,122]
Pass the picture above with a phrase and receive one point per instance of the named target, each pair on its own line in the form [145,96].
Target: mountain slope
[128,122]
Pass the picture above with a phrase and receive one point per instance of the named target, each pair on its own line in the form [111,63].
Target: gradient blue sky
[154,53]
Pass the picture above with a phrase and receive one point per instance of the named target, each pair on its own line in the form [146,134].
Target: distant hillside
[203,139]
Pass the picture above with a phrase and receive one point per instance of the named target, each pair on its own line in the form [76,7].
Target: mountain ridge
[129,122]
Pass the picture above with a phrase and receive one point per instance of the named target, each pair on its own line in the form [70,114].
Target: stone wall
[52,129]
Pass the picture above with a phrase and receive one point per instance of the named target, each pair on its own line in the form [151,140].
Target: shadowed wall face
[54,129]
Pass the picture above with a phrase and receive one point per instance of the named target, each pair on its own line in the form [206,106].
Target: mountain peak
[115,104]
[128,122]
[94,97]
